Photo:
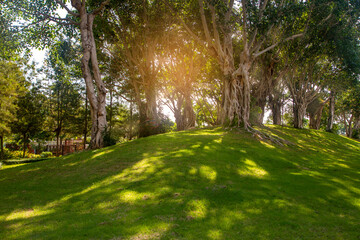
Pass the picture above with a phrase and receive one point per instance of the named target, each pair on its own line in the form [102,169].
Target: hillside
[198,184]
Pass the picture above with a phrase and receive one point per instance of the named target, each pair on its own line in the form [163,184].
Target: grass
[24,160]
[199,184]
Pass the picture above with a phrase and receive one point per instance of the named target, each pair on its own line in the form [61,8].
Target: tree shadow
[206,184]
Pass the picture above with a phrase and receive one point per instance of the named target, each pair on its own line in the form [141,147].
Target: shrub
[18,154]
[108,139]
[46,154]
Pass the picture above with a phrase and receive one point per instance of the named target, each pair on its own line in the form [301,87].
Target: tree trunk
[61,146]
[97,98]
[315,119]
[86,120]
[189,114]
[111,110]
[151,104]
[131,120]
[57,144]
[276,105]
[261,103]
[356,128]
[330,121]
[236,107]
[149,119]
[2,146]
[315,109]
[299,113]
[24,145]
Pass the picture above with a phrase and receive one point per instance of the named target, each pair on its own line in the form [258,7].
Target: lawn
[198,184]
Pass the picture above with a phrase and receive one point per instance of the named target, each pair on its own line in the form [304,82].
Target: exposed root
[265,136]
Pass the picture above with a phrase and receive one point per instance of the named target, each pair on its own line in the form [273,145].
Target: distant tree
[64,98]
[30,115]
[12,84]
[182,69]
[349,111]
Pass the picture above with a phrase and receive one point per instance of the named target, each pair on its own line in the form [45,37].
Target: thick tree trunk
[236,108]
[149,119]
[330,121]
[276,105]
[299,113]
[261,103]
[315,119]
[315,114]
[97,98]
[189,114]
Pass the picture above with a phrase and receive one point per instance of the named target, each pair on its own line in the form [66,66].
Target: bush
[108,139]
[18,154]
[46,154]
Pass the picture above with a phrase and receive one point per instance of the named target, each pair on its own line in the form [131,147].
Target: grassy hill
[199,184]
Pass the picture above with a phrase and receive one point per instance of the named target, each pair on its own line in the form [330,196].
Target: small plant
[46,154]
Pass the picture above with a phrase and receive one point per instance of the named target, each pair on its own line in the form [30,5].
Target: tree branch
[102,5]
[276,44]
[67,9]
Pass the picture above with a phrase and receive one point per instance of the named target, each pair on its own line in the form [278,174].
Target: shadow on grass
[205,184]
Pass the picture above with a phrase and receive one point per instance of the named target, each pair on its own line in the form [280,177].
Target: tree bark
[86,120]
[275,104]
[97,98]
[299,113]
[315,119]
[131,120]
[315,109]
[236,107]
[356,128]
[1,146]
[330,121]
[111,110]
[57,144]
[24,145]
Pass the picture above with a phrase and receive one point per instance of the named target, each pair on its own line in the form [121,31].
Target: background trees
[210,62]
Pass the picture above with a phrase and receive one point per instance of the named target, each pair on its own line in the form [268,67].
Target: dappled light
[198,184]
[251,169]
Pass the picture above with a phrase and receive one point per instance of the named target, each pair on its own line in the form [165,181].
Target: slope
[198,184]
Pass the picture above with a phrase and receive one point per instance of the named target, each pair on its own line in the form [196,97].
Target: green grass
[199,184]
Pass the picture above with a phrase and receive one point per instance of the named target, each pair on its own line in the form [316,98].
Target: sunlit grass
[198,184]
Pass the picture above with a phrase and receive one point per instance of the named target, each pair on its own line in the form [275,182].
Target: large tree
[249,24]
[38,14]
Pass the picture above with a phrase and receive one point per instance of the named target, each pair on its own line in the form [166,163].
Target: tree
[64,95]
[135,29]
[37,16]
[11,86]
[249,24]
[304,86]
[30,115]
[183,64]
[350,111]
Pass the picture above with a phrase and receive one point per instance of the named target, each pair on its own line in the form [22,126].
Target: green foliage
[30,114]
[12,85]
[17,154]
[46,154]
[108,140]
